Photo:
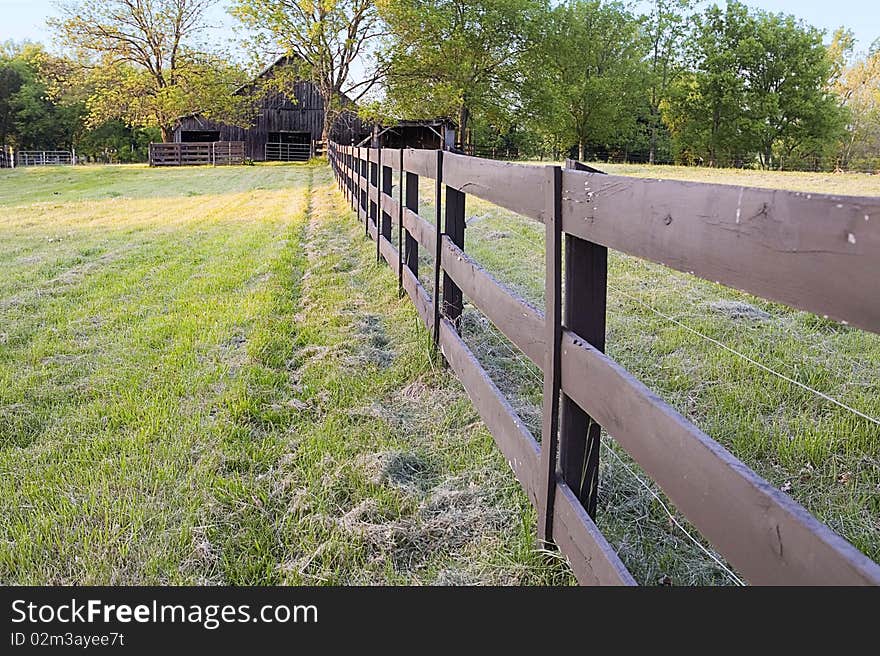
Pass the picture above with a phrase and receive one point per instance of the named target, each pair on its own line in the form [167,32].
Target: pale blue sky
[24,19]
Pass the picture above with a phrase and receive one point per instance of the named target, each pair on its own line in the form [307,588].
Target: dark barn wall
[279,114]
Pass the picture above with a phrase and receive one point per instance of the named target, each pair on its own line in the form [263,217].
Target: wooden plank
[764,534]
[814,252]
[388,252]
[510,434]
[522,323]
[421,230]
[419,296]
[421,162]
[520,188]
[553,335]
[391,158]
[592,559]
[454,223]
[390,205]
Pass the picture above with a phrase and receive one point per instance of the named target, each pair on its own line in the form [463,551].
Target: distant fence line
[814,252]
[11,158]
[217,153]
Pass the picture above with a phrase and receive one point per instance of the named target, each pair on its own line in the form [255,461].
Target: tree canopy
[148,68]
[725,85]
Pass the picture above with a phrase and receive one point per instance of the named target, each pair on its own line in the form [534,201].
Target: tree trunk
[167,133]
[464,116]
[580,151]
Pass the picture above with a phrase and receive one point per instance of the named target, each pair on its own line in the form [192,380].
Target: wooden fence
[215,153]
[814,252]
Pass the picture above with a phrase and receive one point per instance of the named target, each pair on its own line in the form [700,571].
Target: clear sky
[24,19]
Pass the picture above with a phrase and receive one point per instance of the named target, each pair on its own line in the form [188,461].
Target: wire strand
[752,361]
[672,518]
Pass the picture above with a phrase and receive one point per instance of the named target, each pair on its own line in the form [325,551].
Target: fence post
[375,207]
[362,166]
[400,226]
[552,360]
[438,244]
[349,173]
[387,184]
[455,224]
[412,203]
[586,278]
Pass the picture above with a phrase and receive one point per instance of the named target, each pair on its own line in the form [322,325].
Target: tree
[666,28]
[322,40]
[586,75]
[148,68]
[858,87]
[788,102]
[456,58]
[759,89]
[12,77]
[37,108]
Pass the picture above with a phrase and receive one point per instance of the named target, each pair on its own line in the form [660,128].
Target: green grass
[824,456]
[206,378]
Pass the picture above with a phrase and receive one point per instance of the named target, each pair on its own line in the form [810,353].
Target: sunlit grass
[206,378]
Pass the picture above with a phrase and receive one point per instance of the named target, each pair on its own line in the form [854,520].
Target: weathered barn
[285,128]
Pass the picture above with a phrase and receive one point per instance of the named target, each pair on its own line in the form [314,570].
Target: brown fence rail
[815,252]
[215,153]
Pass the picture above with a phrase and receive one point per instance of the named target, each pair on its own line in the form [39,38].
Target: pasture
[206,378]
[203,379]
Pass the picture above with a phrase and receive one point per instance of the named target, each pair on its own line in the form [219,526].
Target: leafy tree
[148,69]
[666,28]
[787,101]
[36,109]
[457,58]
[322,41]
[116,142]
[760,88]
[704,109]
[587,81]
[12,77]
[858,87]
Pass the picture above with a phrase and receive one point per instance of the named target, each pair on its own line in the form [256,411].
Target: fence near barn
[42,157]
[814,252]
[217,153]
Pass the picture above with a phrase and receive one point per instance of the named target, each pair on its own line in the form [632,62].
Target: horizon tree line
[718,85]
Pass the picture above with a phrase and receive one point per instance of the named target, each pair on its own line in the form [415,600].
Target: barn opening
[289,146]
[199,136]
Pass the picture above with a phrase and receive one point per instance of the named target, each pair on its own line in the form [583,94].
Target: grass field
[205,378]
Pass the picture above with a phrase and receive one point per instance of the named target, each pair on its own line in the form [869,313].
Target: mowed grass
[206,378]
[822,454]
